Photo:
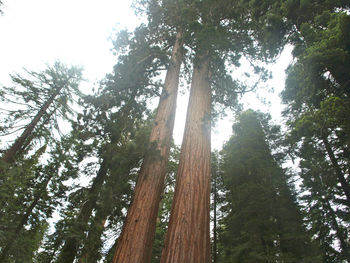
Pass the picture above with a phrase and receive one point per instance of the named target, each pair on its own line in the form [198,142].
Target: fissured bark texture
[188,237]
[135,242]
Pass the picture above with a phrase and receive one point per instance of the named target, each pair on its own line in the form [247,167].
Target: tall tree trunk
[70,248]
[10,154]
[188,235]
[215,218]
[23,220]
[93,242]
[344,184]
[135,242]
[322,195]
[345,250]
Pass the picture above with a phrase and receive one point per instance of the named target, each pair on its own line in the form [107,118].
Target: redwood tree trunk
[188,236]
[10,154]
[135,242]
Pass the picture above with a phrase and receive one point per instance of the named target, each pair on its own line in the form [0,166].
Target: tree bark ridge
[188,236]
[135,242]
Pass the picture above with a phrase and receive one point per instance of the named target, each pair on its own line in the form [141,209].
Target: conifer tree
[24,217]
[218,200]
[317,82]
[317,97]
[110,120]
[30,187]
[319,196]
[262,221]
[44,94]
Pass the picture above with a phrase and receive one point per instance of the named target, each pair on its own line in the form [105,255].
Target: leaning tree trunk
[345,251]
[188,235]
[10,154]
[135,242]
[344,184]
[93,241]
[70,248]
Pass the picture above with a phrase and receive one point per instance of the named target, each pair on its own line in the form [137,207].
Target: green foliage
[325,205]
[30,193]
[317,98]
[32,89]
[321,209]
[40,101]
[323,58]
[262,221]
[113,129]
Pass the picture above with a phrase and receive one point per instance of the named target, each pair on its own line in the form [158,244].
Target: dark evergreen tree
[317,98]
[262,221]
[30,182]
[110,122]
[24,217]
[323,212]
[218,200]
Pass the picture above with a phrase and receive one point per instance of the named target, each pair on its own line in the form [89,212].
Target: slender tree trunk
[23,220]
[344,184]
[10,154]
[215,219]
[93,242]
[339,233]
[70,248]
[135,242]
[345,250]
[188,235]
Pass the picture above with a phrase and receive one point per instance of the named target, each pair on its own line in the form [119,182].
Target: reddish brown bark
[10,154]
[188,237]
[135,242]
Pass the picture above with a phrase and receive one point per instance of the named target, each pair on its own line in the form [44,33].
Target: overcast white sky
[77,32]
